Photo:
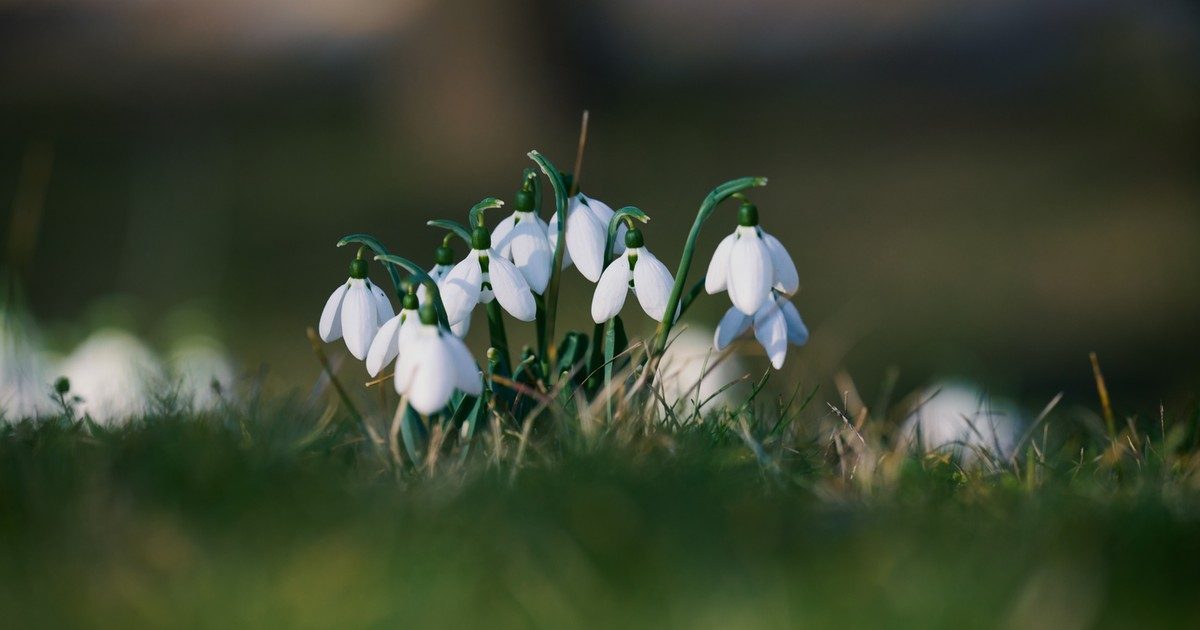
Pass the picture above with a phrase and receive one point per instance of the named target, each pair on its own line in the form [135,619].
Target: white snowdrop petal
[585,240]
[510,288]
[466,372]
[502,234]
[786,279]
[731,326]
[717,277]
[530,252]
[770,329]
[407,336]
[331,317]
[797,332]
[751,276]
[434,379]
[407,365]
[652,284]
[552,236]
[611,290]
[382,303]
[461,329]
[604,214]
[460,288]
[359,318]
[384,347]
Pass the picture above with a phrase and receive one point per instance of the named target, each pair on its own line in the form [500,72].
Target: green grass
[247,518]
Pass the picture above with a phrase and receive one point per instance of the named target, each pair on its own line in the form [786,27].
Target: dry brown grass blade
[319,351]
[1102,390]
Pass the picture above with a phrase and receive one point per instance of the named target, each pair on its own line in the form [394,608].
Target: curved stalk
[454,227]
[475,215]
[560,209]
[714,198]
[430,286]
[377,247]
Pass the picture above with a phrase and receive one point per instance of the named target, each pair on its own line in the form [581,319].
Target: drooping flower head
[776,323]
[637,270]
[750,263]
[522,239]
[443,263]
[482,276]
[355,311]
[394,335]
[587,232]
[433,365]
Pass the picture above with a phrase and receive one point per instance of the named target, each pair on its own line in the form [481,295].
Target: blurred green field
[248,518]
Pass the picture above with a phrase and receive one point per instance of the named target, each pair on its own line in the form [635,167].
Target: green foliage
[777,513]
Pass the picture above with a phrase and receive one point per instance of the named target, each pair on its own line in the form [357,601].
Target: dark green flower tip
[62,385]
[568,180]
[358,269]
[748,214]
[410,301]
[443,255]
[633,238]
[524,201]
[480,239]
[428,315]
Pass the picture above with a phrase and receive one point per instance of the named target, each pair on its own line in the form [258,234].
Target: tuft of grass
[777,513]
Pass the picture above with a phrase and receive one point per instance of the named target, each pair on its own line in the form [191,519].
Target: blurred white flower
[433,365]
[521,238]
[635,270]
[749,263]
[26,380]
[961,418]
[482,276]
[587,232]
[113,372]
[691,360]
[355,311]
[776,324]
[197,363]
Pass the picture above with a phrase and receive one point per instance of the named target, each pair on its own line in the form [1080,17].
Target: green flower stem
[475,216]
[431,287]
[499,338]
[560,208]
[454,227]
[714,198]
[539,326]
[377,247]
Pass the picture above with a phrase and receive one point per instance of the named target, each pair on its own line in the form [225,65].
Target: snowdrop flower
[433,365]
[960,418]
[395,334]
[521,238]
[587,232]
[482,276]
[355,311]
[443,262]
[198,363]
[635,270]
[749,263]
[113,372]
[776,323]
[690,361]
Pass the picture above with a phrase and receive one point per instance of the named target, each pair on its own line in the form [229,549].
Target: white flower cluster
[514,263]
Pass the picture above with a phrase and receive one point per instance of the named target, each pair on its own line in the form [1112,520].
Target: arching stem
[417,272]
[714,198]
[550,357]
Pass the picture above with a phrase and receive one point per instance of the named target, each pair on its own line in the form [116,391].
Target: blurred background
[986,190]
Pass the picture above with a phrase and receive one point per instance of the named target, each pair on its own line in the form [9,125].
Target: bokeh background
[989,190]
